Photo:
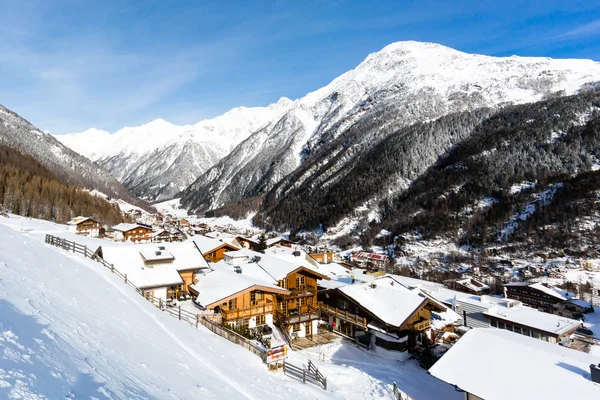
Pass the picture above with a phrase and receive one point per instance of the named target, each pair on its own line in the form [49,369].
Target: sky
[69,65]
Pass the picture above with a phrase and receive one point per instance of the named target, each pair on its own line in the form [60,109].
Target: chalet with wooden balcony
[134,233]
[383,315]
[544,298]
[85,226]
[243,293]
[163,271]
[213,250]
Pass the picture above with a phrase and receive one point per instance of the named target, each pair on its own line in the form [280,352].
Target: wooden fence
[310,374]
[194,319]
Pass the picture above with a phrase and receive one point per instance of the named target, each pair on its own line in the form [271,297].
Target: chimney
[595,371]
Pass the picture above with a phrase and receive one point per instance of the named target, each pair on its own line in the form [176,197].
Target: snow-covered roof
[385,298]
[557,293]
[78,220]
[207,244]
[126,227]
[236,254]
[473,284]
[223,281]
[130,260]
[580,303]
[278,268]
[156,254]
[529,368]
[296,256]
[527,316]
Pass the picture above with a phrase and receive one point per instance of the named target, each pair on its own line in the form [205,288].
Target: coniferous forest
[29,189]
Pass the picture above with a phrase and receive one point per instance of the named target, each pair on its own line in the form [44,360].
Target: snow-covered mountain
[158,160]
[404,83]
[69,166]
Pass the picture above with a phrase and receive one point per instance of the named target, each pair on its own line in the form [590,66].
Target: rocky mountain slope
[404,83]
[157,160]
[68,166]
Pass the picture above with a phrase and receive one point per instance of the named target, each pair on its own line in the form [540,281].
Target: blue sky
[67,65]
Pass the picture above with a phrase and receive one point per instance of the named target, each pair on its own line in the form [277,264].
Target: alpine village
[426,226]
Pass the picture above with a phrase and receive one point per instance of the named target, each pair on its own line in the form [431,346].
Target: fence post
[197,320]
[85,250]
[112,268]
[325,383]
[180,313]
[304,375]
[125,278]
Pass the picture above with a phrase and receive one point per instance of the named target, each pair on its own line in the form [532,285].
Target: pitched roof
[386,299]
[518,367]
[279,268]
[223,281]
[558,294]
[129,259]
[79,220]
[125,227]
[206,244]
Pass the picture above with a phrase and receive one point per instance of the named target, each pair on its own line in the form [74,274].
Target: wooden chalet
[85,226]
[213,250]
[537,295]
[382,314]
[163,271]
[134,233]
[243,294]
[253,243]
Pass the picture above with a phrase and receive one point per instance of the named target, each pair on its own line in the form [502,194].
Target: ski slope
[71,329]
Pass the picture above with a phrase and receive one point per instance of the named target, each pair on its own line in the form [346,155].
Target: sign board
[276,354]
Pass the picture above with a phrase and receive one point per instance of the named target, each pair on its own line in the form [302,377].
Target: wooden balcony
[248,312]
[303,291]
[421,325]
[343,315]
[303,314]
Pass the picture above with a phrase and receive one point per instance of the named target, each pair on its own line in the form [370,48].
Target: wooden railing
[304,290]
[310,374]
[247,312]
[197,319]
[343,315]
[305,313]
[421,325]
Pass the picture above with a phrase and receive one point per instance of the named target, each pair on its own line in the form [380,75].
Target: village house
[537,295]
[165,272]
[240,290]
[495,364]
[366,260]
[323,258]
[213,250]
[468,285]
[573,308]
[253,243]
[134,233]
[161,236]
[488,311]
[382,314]
[85,226]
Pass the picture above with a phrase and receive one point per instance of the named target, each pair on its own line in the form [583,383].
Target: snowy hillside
[404,83]
[157,160]
[71,329]
[67,165]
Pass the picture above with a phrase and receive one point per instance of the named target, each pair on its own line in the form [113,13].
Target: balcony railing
[422,325]
[303,314]
[302,291]
[343,315]
[247,312]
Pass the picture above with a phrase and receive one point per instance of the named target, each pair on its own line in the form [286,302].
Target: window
[300,282]
[535,334]
[252,298]
[284,307]
[246,322]
[526,332]
[310,300]
[259,295]
[232,304]
[260,320]
[296,327]
[501,325]
[302,301]
[282,283]
[494,323]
